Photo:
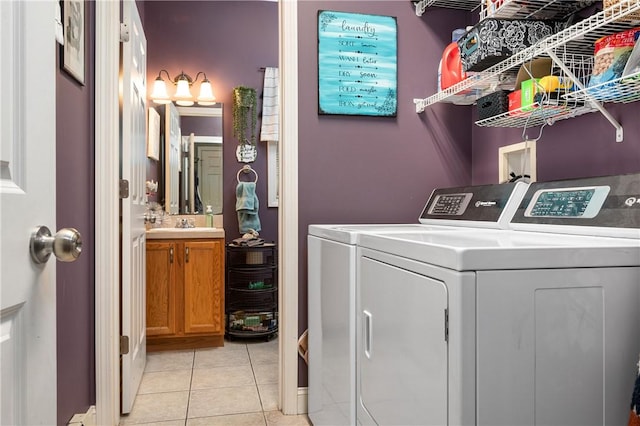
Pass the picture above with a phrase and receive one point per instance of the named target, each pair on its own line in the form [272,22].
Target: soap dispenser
[209,217]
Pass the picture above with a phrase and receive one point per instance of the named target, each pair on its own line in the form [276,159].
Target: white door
[27,199]
[210,175]
[133,167]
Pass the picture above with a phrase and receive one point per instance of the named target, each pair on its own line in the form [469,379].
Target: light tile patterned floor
[236,385]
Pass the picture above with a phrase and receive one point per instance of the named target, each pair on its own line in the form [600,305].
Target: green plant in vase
[245,115]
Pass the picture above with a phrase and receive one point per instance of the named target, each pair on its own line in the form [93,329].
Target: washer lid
[496,249]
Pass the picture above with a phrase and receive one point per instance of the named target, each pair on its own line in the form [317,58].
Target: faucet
[149,218]
[184,223]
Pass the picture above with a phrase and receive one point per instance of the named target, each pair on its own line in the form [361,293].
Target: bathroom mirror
[193,159]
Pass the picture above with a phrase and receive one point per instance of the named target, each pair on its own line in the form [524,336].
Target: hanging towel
[247,207]
[270,106]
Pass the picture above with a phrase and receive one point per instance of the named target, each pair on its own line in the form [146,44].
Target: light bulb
[160,95]
[183,94]
[206,96]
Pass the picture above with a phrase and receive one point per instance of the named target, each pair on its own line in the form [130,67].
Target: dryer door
[403,362]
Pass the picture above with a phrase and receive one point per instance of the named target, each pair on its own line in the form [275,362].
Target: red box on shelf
[515,103]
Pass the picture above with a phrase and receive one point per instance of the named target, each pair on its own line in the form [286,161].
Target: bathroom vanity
[185,288]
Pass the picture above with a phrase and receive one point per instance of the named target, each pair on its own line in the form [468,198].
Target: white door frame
[107,247]
[107,210]
[288,207]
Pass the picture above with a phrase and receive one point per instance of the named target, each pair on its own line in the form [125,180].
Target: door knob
[66,245]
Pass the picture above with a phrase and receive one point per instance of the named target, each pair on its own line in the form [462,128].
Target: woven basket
[635,16]
[254,258]
[493,104]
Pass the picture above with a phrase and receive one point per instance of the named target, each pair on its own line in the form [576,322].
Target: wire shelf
[484,84]
[547,113]
[512,9]
[534,9]
[552,103]
[575,67]
[578,39]
[622,90]
[421,6]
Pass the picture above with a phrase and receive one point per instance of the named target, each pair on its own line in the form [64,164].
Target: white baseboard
[302,400]
[84,419]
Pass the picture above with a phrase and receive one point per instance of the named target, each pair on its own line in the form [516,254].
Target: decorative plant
[245,114]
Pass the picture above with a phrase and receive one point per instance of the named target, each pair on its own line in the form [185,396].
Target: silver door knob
[66,245]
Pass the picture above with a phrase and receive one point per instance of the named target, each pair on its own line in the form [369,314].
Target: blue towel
[247,207]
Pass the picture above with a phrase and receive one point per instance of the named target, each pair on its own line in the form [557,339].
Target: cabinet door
[161,288]
[203,287]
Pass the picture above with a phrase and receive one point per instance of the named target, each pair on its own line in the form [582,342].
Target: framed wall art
[153,135]
[74,38]
[357,64]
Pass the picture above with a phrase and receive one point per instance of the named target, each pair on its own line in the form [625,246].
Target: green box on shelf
[529,89]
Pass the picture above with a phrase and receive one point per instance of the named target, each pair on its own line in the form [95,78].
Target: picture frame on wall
[357,64]
[153,141]
[73,23]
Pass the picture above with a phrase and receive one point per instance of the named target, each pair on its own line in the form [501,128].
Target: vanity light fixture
[183,96]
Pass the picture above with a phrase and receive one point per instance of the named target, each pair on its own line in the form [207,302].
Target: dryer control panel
[489,206]
[450,204]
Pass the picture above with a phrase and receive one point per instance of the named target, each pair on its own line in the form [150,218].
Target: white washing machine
[531,326]
[332,260]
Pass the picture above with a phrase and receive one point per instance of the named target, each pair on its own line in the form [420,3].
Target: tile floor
[233,385]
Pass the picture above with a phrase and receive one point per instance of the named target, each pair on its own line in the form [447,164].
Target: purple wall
[366,169]
[75,209]
[230,41]
[582,146]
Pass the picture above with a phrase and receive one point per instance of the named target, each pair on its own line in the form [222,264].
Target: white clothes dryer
[514,327]
[332,260]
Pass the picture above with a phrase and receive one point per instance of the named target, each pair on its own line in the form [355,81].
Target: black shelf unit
[251,294]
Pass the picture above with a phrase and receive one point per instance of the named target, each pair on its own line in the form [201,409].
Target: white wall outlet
[519,158]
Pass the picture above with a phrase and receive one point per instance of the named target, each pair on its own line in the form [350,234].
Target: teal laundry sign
[357,64]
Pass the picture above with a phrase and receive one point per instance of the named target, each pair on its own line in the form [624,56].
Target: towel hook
[247,169]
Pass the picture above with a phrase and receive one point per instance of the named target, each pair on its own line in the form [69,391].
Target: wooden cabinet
[185,293]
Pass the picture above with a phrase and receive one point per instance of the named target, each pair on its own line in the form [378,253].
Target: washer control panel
[598,202]
[583,202]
